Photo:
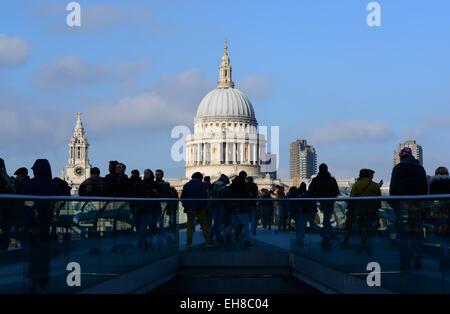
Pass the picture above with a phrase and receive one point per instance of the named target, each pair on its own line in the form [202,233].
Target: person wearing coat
[7,209]
[409,178]
[195,189]
[38,223]
[440,184]
[305,211]
[324,185]
[365,211]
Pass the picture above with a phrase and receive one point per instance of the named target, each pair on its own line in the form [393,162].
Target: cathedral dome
[226,103]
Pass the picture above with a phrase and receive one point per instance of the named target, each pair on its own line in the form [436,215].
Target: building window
[78,152]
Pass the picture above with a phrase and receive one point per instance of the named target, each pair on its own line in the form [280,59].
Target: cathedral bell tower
[78,167]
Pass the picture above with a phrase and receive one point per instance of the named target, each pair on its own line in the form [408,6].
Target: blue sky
[136,69]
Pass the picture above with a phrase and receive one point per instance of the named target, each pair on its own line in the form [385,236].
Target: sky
[136,69]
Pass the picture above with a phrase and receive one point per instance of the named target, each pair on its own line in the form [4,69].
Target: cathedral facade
[225,138]
[78,166]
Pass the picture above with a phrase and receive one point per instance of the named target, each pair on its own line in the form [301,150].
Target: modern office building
[303,160]
[416,150]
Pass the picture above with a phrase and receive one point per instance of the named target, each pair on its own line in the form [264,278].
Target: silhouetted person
[266,207]
[38,223]
[280,208]
[172,210]
[110,178]
[20,179]
[218,190]
[409,178]
[7,209]
[291,206]
[209,210]
[135,182]
[92,186]
[365,211]
[147,213]
[118,185]
[440,184]
[324,185]
[165,191]
[63,186]
[252,189]
[195,189]
[239,209]
[306,213]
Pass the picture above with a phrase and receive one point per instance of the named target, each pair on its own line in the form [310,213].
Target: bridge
[97,235]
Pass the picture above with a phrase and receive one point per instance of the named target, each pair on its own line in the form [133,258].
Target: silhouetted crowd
[236,219]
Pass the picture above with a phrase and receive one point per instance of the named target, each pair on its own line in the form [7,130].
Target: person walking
[195,189]
[324,186]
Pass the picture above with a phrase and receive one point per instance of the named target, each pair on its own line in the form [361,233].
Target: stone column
[242,152]
[226,152]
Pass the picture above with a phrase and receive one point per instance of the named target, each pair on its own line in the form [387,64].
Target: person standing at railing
[218,190]
[280,208]
[365,211]
[305,212]
[195,189]
[92,186]
[147,213]
[440,184]
[322,186]
[20,179]
[108,181]
[209,211]
[266,208]
[291,207]
[252,189]
[38,222]
[7,210]
[239,209]
[409,178]
[165,191]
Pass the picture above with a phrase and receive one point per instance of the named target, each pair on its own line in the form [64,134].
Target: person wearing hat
[409,178]
[365,211]
[20,179]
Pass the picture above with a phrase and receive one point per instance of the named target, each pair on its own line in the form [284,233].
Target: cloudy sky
[136,69]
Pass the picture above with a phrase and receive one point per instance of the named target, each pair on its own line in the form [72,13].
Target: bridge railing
[46,240]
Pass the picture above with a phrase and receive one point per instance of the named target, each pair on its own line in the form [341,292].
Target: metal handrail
[317,199]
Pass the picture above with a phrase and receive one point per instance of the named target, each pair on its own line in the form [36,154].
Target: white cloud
[351,131]
[71,71]
[67,72]
[13,50]
[255,86]
[170,102]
